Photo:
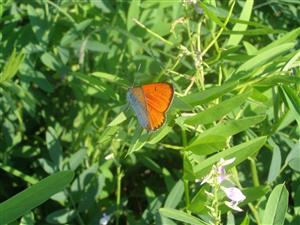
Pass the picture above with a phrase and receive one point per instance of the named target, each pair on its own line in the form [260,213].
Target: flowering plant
[216,179]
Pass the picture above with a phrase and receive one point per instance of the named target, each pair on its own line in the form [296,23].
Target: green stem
[18,173]
[255,213]
[254,173]
[62,11]
[118,203]
[153,33]
[68,194]
[186,193]
[185,181]
[220,32]
[256,183]
[184,138]
[215,203]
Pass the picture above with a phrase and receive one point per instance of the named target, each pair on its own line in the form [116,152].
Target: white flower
[224,162]
[109,156]
[219,171]
[104,219]
[235,195]
[233,206]
[190,1]
[209,178]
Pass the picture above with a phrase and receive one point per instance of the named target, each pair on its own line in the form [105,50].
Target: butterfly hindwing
[156,118]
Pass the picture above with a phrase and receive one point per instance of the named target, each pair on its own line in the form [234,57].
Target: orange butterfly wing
[158,97]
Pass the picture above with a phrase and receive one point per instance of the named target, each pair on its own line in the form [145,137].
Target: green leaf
[271,81]
[138,141]
[30,198]
[275,166]
[61,216]
[188,162]
[175,195]
[108,134]
[111,78]
[230,218]
[208,145]
[133,13]
[276,207]
[210,14]
[246,220]
[77,158]
[27,219]
[260,31]
[292,101]
[223,130]
[293,158]
[178,103]
[18,173]
[251,49]
[216,112]
[47,165]
[159,135]
[84,178]
[51,61]
[102,90]
[79,27]
[12,66]
[118,120]
[153,207]
[39,24]
[245,15]
[26,151]
[90,45]
[105,5]
[181,216]
[239,152]
[93,190]
[264,57]
[69,38]
[289,37]
[149,163]
[209,94]
[199,201]
[54,147]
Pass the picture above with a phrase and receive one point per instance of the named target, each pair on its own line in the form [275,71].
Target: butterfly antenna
[134,79]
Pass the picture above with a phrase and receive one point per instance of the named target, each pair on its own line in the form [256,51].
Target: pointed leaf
[30,198]
[276,207]
[239,152]
[181,216]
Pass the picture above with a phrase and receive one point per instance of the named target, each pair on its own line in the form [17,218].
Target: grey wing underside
[139,109]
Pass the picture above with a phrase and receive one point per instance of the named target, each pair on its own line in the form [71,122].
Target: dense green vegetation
[72,150]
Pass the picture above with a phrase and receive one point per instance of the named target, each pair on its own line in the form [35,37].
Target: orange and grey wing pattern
[150,103]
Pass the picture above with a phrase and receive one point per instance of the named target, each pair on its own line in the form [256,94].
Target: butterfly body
[150,102]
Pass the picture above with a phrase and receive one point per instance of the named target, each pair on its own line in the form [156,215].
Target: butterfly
[150,103]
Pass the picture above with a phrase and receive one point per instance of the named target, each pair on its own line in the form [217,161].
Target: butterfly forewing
[158,97]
